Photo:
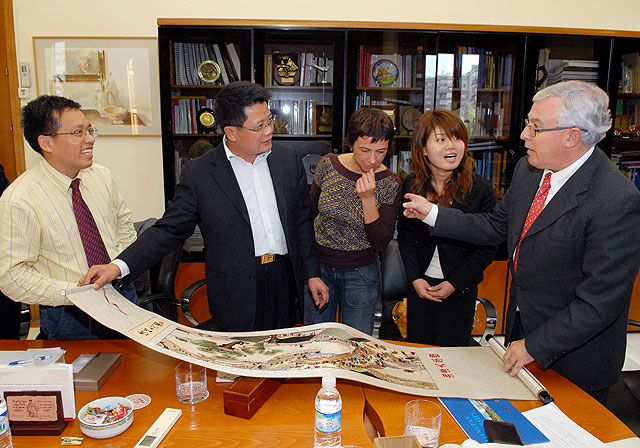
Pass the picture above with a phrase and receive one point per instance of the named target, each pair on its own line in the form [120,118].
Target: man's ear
[231,132]
[45,143]
[574,137]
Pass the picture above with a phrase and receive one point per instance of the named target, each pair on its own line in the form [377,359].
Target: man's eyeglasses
[534,131]
[261,127]
[78,133]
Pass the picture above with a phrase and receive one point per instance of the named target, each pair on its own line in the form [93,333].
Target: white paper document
[56,376]
[560,429]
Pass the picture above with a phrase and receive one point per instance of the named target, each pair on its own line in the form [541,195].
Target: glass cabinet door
[475,79]
[303,70]
[625,143]
[200,61]
[394,72]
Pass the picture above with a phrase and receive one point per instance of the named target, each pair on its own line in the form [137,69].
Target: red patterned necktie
[536,208]
[92,242]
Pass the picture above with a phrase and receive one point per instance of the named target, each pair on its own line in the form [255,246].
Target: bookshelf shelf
[301,136]
[310,88]
[622,95]
[179,86]
[388,89]
[213,136]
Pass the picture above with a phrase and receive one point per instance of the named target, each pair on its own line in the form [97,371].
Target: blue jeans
[356,290]
[70,322]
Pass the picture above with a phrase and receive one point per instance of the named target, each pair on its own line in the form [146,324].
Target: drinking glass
[191,383]
[422,419]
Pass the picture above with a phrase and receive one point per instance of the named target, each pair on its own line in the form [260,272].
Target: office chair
[394,289]
[624,396]
[156,286]
[186,304]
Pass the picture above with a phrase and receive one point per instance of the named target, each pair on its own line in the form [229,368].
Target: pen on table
[26,361]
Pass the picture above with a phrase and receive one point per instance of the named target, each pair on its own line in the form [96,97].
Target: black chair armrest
[633,323]
[185,298]
[145,300]
[492,318]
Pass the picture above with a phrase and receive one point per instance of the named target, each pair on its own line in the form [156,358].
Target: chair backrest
[394,280]
[159,281]
[310,161]
[394,289]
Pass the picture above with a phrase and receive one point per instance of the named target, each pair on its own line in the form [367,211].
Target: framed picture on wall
[115,80]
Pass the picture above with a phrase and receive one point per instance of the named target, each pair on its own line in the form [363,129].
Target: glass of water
[422,419]
[191,383]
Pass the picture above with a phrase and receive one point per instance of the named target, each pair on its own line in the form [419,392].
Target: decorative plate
[384,72]
[410,118]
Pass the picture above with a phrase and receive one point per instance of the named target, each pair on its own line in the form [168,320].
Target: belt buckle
[267,258]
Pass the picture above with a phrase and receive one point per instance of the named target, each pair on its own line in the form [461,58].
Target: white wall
[137,162]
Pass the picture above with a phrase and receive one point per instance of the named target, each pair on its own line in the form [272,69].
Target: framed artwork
[115,80]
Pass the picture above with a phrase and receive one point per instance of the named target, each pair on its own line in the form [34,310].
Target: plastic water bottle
[5,433]
[328,427]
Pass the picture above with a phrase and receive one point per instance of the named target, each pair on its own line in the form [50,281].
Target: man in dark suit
[251,203]
[576,261]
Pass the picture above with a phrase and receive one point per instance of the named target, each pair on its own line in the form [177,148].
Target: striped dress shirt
[40,246]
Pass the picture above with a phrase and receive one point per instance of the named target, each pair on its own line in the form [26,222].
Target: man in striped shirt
[42,252]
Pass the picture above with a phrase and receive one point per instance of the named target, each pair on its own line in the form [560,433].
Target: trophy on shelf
[323,70]
[286,71]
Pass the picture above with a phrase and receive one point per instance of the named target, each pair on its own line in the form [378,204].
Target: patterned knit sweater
[343,240]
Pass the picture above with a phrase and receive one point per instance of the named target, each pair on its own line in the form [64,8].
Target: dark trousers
[70,322]
[447,324]
[276,297]
[10,313]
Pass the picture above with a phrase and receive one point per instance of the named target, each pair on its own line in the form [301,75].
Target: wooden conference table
[287,418]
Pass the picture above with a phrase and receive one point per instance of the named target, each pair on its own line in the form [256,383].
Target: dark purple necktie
[94,247]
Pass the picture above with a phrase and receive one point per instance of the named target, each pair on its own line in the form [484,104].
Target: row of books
[628,163]
[571,69]
[299,117]
[627,114]
[188,56]
[494,70]
[630,80]
[488,121]
[391,70]
[313,69]
[185,112]
[632,171]
[492,165]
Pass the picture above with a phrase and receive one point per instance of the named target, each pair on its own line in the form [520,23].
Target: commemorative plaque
[286,71]
[209,71]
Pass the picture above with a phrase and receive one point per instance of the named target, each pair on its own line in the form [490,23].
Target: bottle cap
[328,381]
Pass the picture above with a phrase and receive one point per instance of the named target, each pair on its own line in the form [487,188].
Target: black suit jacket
[462,263]
[209,196]
[576,267]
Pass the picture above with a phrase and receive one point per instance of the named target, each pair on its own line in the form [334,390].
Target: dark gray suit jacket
[576,267]
[209,196]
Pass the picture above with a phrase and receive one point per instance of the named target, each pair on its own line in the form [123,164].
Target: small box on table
[247,395]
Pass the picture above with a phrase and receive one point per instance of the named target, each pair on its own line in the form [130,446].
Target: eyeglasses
[78,133]
[261,127]
[534,131]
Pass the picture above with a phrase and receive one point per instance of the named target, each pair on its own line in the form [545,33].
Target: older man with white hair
[572,226]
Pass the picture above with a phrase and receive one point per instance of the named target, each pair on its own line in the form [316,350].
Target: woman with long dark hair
[443,273]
